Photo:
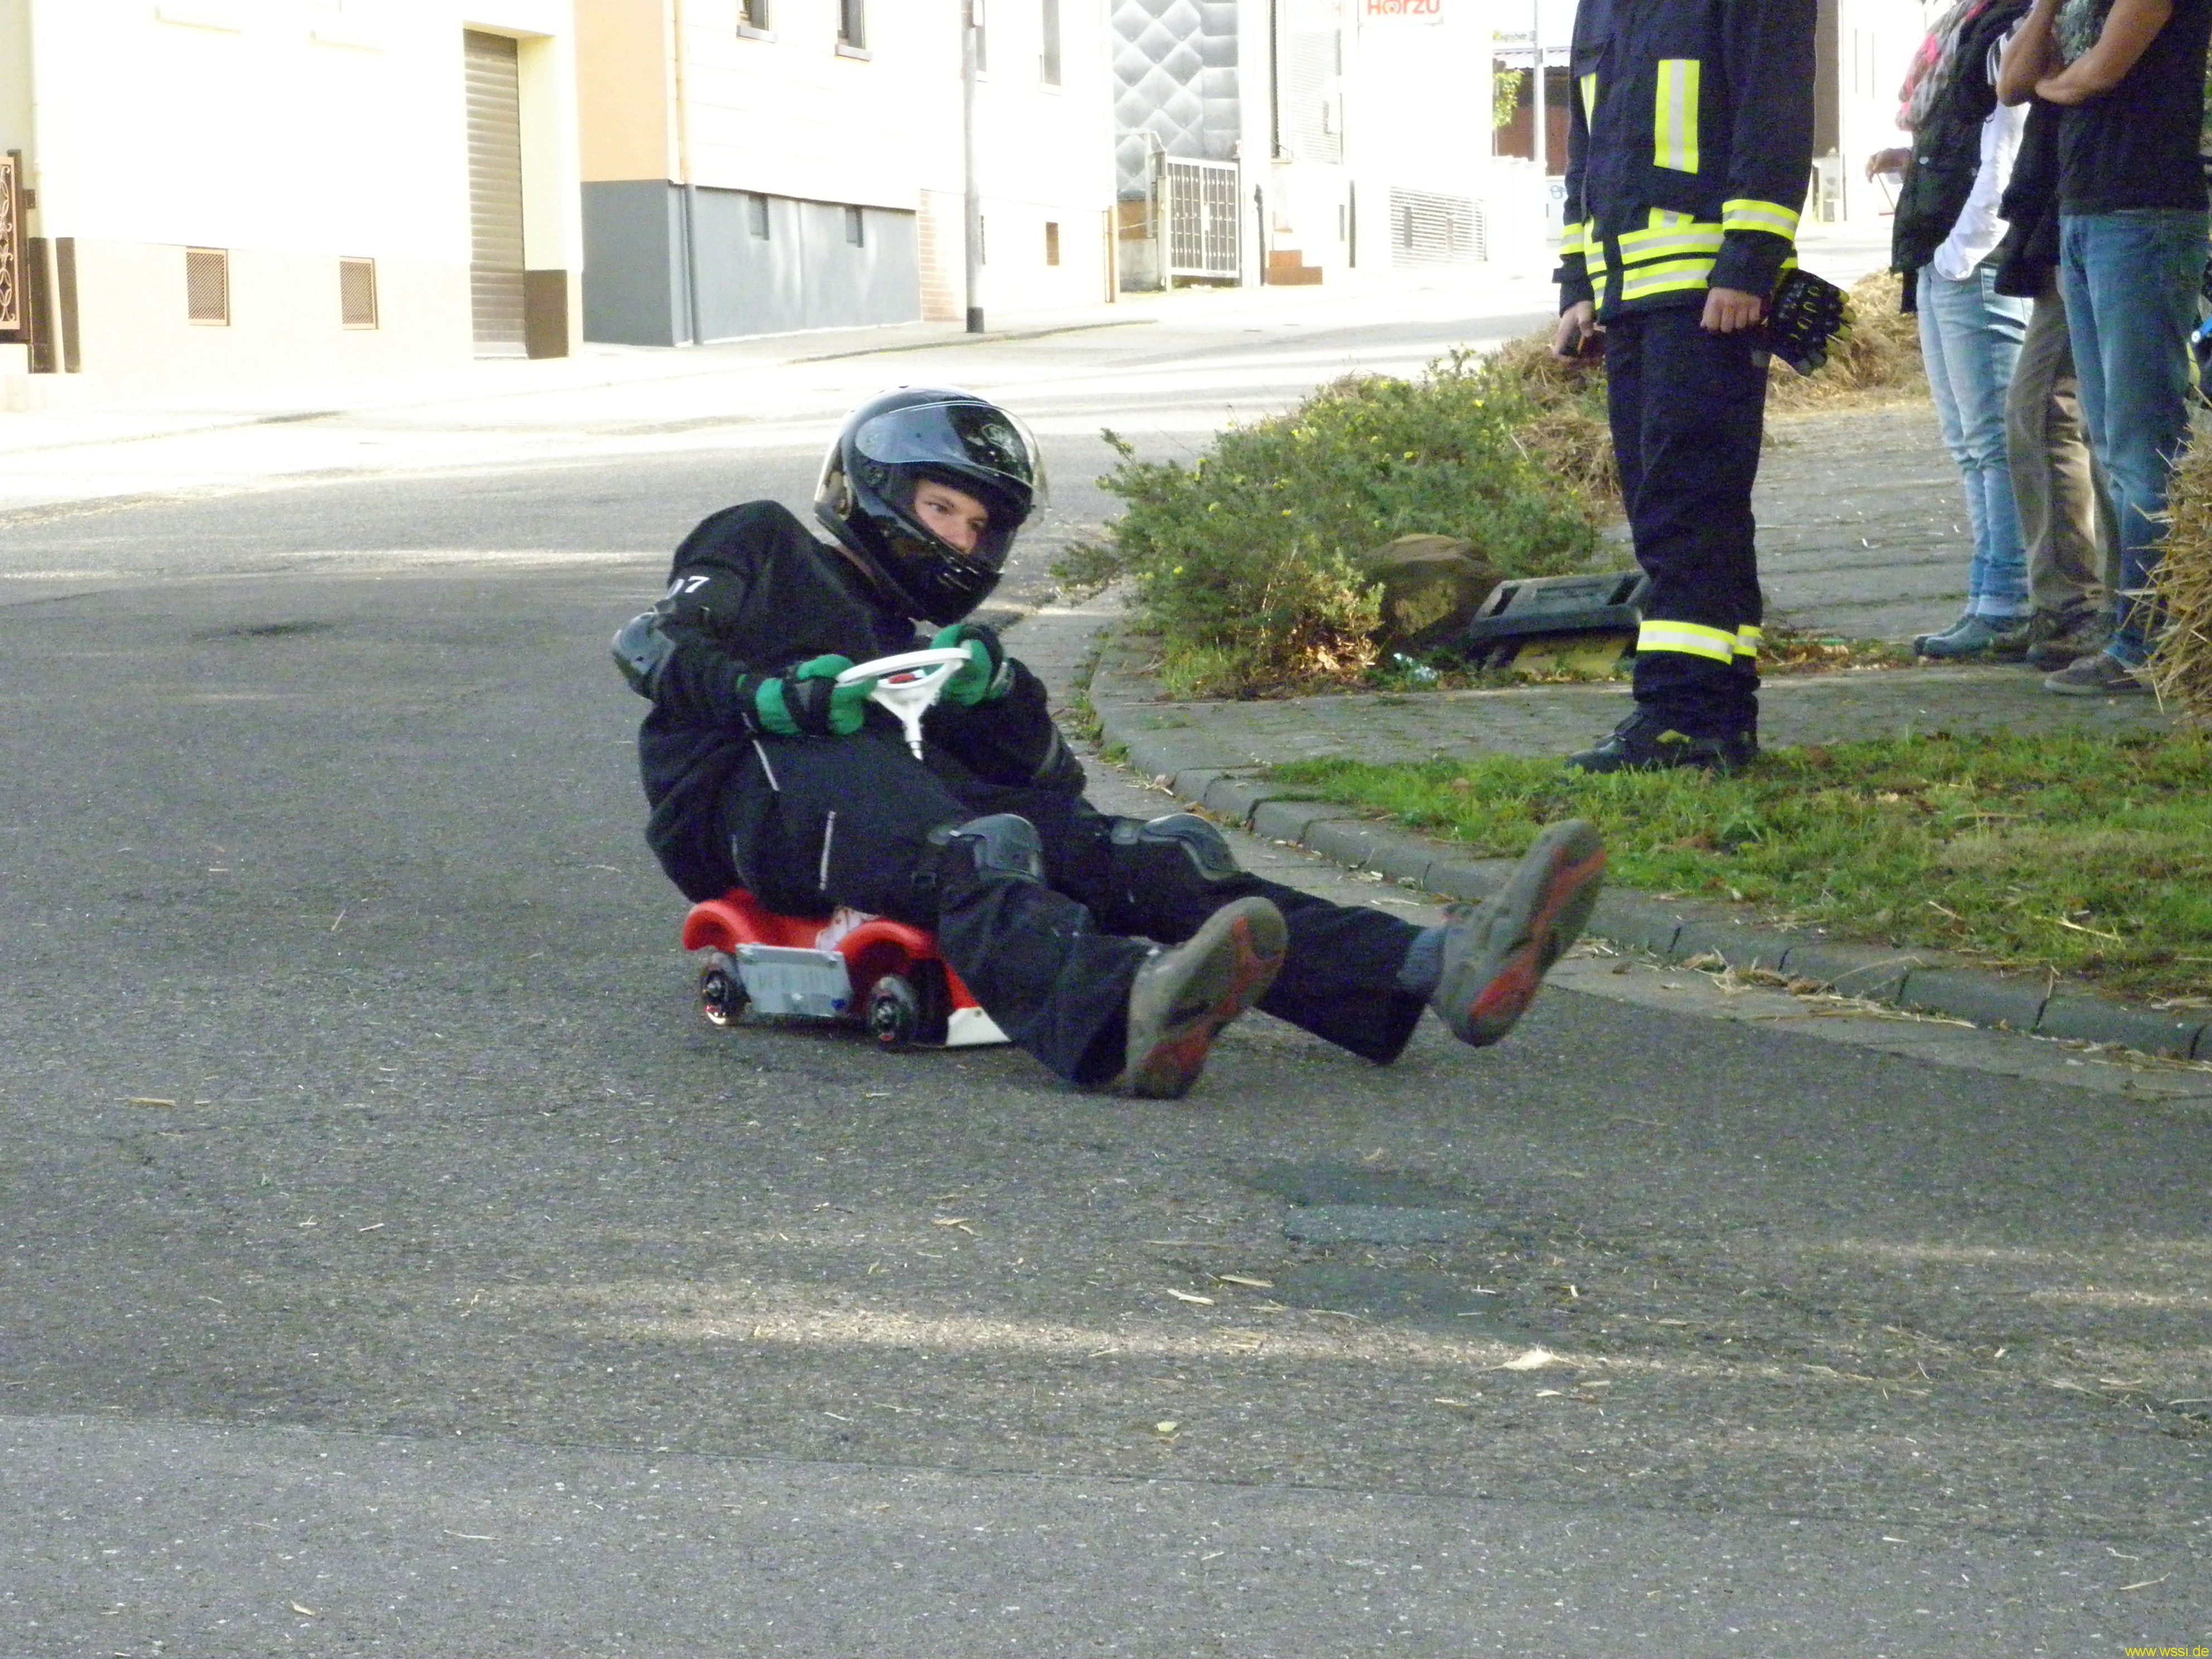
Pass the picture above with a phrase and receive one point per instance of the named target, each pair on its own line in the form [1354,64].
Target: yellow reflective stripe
[1570,240]
[1589,96]
[1674,115]
[1714,644]
[1665,277]
[1744,214]
[1748,638]
[1638,245]
[1593,260]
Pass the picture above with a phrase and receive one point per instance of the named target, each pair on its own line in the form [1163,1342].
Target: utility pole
[1539,112]
[971,20]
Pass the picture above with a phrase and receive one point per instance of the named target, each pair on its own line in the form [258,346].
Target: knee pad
[1178,848]
[1002,844]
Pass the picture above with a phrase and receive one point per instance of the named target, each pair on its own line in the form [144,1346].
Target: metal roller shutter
[495,194]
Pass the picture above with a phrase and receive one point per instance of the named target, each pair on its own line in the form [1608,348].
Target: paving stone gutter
[1196,768]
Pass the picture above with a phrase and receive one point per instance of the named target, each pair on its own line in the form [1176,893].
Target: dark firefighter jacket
[1689,149]
[752,592]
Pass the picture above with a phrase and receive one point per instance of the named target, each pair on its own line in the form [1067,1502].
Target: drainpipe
[690,218]
[971,14]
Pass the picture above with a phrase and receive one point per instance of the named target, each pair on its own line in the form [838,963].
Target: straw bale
[2181,666]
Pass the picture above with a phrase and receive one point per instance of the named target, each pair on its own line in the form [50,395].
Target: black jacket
[752,592]
[2028,258]
[1689,149]
[1947,149]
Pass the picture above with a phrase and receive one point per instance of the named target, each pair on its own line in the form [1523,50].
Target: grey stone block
[1348,840]
[1471,880]
[1194,782]
[1289,820]
[1739,945]
[1233,798]
[1984,998]
[1630,919]
[1852,970]
[1375,1223]
[1402,857]
[2098,1019]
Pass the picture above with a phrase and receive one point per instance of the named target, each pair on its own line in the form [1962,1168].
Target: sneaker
[2058,638]
[1497,953]
[1646,743]
[2100,675]
[1999,637]
[1183,995]
[1920,641]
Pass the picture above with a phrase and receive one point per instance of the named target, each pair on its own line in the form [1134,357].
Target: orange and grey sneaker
[1497,953]
[1184,994]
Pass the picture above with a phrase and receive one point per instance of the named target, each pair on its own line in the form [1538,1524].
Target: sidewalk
[1859,513]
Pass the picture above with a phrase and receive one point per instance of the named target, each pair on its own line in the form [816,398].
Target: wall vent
[357,293]
[1428,229]
[1051,242]
[207,285]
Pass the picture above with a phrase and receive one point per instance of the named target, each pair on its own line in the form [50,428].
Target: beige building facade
[755,166]
[212,193]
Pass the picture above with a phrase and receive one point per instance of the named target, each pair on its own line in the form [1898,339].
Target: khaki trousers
[2065,516]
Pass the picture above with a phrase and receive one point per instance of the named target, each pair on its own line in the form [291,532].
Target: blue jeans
[1970,336]
[2131,282]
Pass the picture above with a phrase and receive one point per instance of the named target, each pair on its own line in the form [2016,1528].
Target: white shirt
[1979,229]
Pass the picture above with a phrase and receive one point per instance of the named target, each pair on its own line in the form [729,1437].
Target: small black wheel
[721,993]
[894,1012]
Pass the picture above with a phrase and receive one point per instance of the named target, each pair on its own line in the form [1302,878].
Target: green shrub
[1244,562]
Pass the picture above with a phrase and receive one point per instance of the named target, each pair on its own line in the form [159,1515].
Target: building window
[856,228]
[853,24]
[1051,242]
[357,293]
[207,285]
[752,16]
[757,216]
[1049,60]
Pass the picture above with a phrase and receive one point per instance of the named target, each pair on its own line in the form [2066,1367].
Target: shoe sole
[1228,972]
[2129,687]
[1541,912]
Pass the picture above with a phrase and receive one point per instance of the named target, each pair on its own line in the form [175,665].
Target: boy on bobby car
[1113,950]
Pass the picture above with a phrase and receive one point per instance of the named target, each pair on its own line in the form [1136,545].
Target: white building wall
[292,133]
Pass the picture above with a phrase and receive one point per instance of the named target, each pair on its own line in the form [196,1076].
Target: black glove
[1807,315]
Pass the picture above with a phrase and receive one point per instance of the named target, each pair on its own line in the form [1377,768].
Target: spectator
[2065,515]
[2128,77]
[1944,241]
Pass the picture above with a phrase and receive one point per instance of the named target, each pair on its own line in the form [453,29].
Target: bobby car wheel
[894,1012]
[721,993]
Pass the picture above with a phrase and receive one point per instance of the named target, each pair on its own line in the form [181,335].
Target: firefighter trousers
[814,823]
[1686,409]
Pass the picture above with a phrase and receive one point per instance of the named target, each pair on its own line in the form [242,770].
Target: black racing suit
[1689,149]
[808,823]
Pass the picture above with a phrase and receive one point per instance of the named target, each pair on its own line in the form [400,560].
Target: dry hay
[1564,432]
[2181,666]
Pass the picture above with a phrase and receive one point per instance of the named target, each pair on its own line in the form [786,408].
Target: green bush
[1244,562]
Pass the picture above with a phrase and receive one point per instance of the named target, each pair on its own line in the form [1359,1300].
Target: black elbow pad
[641,651]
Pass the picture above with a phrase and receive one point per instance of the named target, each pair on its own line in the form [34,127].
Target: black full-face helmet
[891,444]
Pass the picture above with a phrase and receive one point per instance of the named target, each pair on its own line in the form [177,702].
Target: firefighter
[1689,149]
[1107,947]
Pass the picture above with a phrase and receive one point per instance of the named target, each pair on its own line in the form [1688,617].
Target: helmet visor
[965,439]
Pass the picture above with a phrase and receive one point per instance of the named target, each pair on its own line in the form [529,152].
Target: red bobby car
[777,964]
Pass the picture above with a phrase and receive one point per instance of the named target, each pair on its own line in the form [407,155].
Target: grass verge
[2078,855]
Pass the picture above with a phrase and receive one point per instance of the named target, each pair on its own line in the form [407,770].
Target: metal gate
[496,284]
[1199,211]
[12,308]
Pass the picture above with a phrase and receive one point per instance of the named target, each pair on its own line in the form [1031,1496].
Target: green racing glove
[806,701]
[988,675]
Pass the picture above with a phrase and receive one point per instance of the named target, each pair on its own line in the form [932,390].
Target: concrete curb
[1234,788]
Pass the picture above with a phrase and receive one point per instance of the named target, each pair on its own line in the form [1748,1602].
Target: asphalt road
[395,1263]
